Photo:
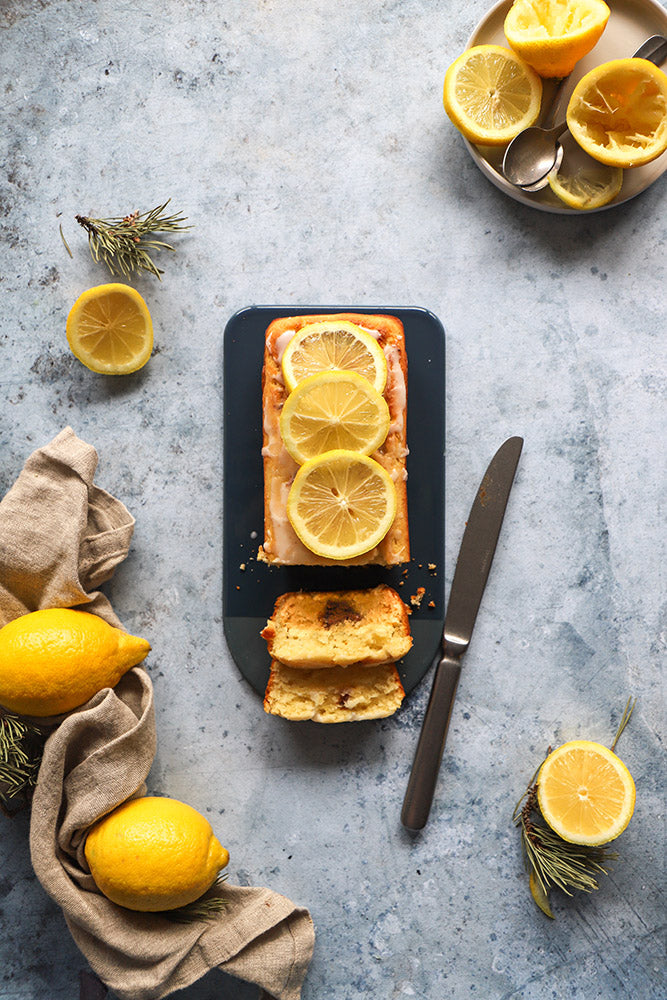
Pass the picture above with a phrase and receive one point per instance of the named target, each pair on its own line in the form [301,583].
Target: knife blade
[470,575]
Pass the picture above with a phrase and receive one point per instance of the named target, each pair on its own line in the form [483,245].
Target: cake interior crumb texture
[339,694]
[339,628]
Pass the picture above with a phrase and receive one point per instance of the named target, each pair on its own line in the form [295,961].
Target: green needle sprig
[204,908]
[552,861]
[21,746]
[125,244]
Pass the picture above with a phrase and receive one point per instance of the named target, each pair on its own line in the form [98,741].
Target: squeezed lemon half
[618,112]
[553,35]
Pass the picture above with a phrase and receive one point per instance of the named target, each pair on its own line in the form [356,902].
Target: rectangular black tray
[249,587]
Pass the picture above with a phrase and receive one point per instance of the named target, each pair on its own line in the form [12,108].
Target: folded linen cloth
[61,537]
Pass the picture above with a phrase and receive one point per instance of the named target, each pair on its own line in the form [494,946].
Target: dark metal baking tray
[249,587]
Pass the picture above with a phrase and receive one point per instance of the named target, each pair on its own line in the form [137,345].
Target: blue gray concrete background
[307,143]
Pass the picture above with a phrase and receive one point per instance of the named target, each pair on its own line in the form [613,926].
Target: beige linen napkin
[61,537]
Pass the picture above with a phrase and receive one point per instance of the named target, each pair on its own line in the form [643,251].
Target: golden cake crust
[338,628]
[281,544]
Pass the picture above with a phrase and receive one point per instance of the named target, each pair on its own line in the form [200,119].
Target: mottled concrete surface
[307,142]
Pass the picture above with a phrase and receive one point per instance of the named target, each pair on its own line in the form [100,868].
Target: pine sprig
[21,747]
[204,908]
[554,861]
[125,244]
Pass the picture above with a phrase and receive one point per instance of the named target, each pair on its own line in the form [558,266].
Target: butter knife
[472,570]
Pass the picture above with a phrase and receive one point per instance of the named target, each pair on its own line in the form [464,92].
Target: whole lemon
[54,660]
[154,854]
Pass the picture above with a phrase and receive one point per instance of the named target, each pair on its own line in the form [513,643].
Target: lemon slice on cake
[109,329]
[341,504]
[334,346]
[618,112]
[553,35]
[585,793]
[333,410]
[491,94]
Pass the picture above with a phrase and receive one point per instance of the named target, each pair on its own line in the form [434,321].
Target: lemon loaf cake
[281,544]
[338,628]
[339,694]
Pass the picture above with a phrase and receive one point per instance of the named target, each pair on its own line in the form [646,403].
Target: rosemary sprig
[204,908]
[21,747]
[124,244]
[552,861]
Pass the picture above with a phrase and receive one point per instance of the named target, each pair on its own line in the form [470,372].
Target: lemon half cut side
[491,94]
[109,329]
[341,504]
[586,793]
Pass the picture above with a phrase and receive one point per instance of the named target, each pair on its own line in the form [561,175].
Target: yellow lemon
[491,94]
[553,35]
[333,410]
[154,854]
[618,112]
[109,329]
[585,793]
[586,187]
[54,660]
[334,346]
[341,504]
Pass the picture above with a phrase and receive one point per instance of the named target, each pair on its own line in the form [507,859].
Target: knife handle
[426,765]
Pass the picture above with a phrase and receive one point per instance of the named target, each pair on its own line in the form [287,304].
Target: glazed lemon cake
[338,628]
[387,370]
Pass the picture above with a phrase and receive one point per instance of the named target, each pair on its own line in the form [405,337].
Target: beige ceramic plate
[630,23]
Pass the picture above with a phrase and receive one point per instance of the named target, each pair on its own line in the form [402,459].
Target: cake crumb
[431,604]
[242,566]
[432,567]
[416,599]
[401,583]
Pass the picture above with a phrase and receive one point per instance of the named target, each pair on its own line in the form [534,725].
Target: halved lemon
[109,329]
[618,112]
[583,183]
[553,35]
[491,94]
[333,410]
[334,346]
[341,504]
[585,793]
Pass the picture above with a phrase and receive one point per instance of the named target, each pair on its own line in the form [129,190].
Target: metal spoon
[535,152]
